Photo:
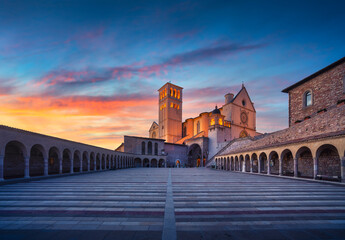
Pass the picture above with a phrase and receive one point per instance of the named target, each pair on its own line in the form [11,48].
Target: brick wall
[327,88]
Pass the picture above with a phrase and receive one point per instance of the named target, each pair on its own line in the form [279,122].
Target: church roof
[342,60]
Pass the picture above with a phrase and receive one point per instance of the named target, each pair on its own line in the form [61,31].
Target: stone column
[259,165]
[100,163]
[251,165]
[343,169]
[295,167]
[45,166]
[2,167]
[268,166]
[88,164]
[142,163]
[27,162]
[60,165]
[315,160]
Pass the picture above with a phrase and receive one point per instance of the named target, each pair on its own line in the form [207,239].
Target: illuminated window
[178,106]
[171,92]
[178,94]
[220,121]
[307,99]
[171,105]
[212,122]
[175,93]
[165,92]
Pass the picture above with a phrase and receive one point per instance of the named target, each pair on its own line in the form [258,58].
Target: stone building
[314,144]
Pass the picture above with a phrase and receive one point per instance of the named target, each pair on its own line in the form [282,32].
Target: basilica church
[200,138]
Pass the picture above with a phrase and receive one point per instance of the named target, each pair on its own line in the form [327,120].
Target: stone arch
[194,155]
[112,162]
[143,148]
[66,161]
[232,164]
[305,162]
[98,161]
[274,162]
[156,148]
[36,162]
[137,162]
[53,161]
[85,164]
[329,163]
[263,162]
[247,161]
[103,162]
[154,163]
[161,163]
[76,161]
[237,164]
[146,163]
[14,160]
[149,148]
[92,162]
[255,164]
[241,167]
[108,162]
[287,163]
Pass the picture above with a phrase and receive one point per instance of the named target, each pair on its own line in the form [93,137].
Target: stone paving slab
[195,203]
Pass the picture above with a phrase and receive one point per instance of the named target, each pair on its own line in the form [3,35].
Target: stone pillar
[315,160]
[60,165]
[100,163]
[72,161]
[343,169]
[2,167]
[268,166]
[142,163]
[88,164]
[259,165]
[27,162]
[45,166]
[295,167]
[149,163]
[280,167]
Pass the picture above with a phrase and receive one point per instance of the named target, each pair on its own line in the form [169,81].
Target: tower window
[171,92]
[307,99]
[178,93]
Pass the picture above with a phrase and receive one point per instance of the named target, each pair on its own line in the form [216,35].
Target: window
[143,148]
[220,121]
[171,105]
[243,102]
[171,92]
[307,99]
[154,135]
[178,93]
[212,122]
[198,127]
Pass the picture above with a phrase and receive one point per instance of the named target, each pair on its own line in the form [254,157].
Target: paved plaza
[193,203]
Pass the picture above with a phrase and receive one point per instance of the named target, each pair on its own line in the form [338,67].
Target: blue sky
[89,70]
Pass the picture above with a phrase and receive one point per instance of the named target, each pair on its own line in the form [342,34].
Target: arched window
[178,92]
[156,148]
[212,122]
[198,127]
[154,135]
[143,148]
[149,148]
[307,99]
[184,132]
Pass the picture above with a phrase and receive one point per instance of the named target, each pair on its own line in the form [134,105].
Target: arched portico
[194,155]
[14,160]
[37,159]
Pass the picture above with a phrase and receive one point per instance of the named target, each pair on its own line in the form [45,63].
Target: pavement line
[169,227]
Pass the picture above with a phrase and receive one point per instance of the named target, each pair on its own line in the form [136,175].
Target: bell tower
[170,112]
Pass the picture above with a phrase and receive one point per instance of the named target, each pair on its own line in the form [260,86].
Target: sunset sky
[89,71]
